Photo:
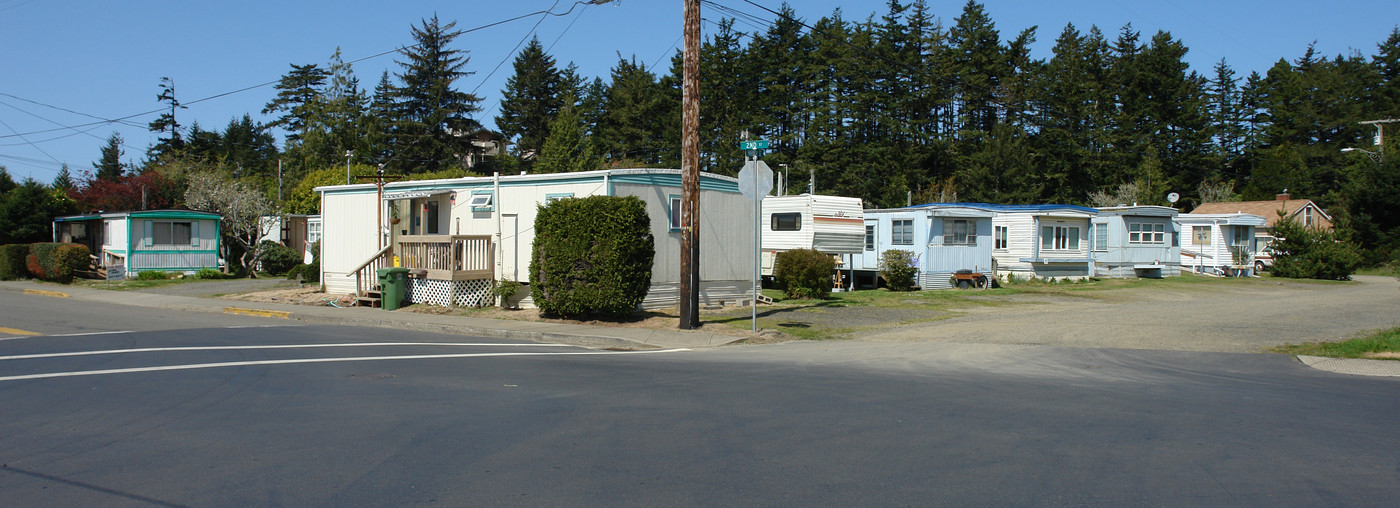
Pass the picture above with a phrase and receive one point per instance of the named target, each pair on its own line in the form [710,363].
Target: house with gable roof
[1304,211]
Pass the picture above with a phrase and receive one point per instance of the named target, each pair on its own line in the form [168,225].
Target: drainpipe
[496,209]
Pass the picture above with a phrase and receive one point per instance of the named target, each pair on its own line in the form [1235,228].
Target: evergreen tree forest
[902,106]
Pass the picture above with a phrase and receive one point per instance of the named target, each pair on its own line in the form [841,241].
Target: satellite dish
[1172,197]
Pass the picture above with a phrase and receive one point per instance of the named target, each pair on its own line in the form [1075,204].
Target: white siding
[347,237]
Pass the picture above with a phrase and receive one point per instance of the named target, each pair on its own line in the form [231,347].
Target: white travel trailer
[829,224]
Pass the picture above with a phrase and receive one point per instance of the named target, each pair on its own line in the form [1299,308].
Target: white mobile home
[149,240]
[1135,241]
[944,237]
[465,233]
[1218,243]
[1044,241]
[829,224]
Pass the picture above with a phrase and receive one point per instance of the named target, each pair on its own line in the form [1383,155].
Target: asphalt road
[478,422]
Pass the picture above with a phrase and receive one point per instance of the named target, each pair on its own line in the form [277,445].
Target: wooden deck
[448,257]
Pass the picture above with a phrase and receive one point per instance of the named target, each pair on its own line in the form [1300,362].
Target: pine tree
[297,91]
[431,117]
[531,99]
[629,130]
[109,167]
[166,122]
[568,148]
[980,63]
[63,181]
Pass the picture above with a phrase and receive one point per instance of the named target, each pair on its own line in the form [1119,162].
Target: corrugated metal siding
[726,245]
[175,261]
[712,292]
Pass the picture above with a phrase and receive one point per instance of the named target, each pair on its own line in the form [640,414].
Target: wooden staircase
[372,297]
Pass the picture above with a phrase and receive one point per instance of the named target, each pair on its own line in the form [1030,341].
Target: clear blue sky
[77,63]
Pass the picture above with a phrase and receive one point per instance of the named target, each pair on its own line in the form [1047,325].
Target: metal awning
[413,194]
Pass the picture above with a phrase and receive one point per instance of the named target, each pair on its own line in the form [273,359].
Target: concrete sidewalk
[581,335]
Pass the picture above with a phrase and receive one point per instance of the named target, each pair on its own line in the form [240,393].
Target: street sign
[755,180]
[758,144]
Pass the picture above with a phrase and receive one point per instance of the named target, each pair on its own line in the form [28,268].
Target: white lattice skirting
[445,293]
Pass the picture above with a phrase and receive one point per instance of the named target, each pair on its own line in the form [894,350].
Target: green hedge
[277,259]
[12,261]
[56,262]
[591,256]
[804,273]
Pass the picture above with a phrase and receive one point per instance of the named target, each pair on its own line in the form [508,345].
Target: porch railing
[366,275]
[448,257]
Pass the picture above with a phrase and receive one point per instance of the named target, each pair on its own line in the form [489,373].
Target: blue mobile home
[944,237]
[1136,241]
[148,240]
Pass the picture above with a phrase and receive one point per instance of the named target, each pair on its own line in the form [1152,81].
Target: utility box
[393,286]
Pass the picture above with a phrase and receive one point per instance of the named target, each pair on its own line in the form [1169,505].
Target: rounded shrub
[68,260]
[804,273]
[277,259]
[898,267]
[591,256]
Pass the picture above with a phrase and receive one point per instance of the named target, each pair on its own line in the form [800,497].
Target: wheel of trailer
[964,284]
[981,282]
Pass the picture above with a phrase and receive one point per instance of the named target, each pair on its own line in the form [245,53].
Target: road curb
[45,292]
[258,312]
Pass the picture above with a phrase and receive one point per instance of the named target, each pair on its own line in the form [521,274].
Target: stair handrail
[359,271]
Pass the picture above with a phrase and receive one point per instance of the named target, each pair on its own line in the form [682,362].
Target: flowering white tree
[241,209]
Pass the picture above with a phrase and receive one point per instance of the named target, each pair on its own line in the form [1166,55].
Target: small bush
[152,275]
[591,256]
[209,273]
[804,273]
[504,290]
[898,267]
[308,272]
[277,259]
[12,261]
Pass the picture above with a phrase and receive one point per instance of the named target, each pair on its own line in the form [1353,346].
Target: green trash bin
[393,286]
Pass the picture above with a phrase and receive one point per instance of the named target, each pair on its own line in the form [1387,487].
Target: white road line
[271,346]
[319,360]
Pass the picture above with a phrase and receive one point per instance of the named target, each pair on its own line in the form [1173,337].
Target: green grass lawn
[842,315]
[1387,341]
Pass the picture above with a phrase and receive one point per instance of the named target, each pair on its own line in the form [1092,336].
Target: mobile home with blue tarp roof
[944,238]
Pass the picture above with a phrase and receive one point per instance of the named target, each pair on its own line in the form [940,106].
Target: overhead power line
[273,82]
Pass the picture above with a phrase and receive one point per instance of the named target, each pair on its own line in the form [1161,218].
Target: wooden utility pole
[690,171]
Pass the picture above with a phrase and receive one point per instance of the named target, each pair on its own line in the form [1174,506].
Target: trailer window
[959,232]
[787,221]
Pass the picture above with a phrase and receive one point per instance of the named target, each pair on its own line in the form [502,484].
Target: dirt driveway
[1191,318]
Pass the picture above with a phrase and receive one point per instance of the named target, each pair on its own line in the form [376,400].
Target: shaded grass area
[1387,341]
[138,284]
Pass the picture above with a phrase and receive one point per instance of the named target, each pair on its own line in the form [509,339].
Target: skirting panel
[445,293]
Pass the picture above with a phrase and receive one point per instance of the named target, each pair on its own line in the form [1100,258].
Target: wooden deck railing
[449,257]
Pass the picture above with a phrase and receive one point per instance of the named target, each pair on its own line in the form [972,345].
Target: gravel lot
[1201,318]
